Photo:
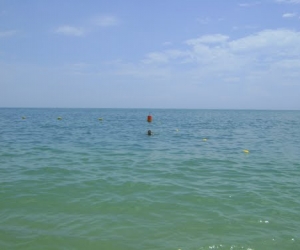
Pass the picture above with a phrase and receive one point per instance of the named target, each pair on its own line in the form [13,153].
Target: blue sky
[206,54]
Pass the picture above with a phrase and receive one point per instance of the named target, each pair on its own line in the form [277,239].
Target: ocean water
[84,183]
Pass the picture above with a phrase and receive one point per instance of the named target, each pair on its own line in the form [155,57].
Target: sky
[190,54]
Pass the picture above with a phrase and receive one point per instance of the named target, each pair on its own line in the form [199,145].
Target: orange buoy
[149,118]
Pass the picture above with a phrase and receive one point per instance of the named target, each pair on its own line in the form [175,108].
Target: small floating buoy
[100,119]
[59,118]
[246,151]
[23,117]
[177,129]
[149,118]
[204,139]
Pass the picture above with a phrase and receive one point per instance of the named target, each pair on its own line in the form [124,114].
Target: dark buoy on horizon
[149,132]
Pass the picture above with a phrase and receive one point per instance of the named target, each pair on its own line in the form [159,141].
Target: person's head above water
[149,132]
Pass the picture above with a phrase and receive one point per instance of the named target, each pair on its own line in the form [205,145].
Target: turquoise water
[85,183]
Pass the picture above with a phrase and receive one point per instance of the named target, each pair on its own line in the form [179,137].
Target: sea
[95,179]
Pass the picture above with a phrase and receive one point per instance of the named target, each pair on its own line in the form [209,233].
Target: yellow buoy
[204,139]
[246,151]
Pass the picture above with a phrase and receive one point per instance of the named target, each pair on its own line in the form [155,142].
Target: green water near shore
[85,183]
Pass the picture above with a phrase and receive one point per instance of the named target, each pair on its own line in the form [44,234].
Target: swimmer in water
[149,132]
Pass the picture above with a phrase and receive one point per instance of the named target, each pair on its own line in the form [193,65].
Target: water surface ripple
[85,183]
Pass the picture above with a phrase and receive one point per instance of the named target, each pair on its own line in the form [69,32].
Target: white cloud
[105,21]
[232,79]
[289,1]
[269,41]
[167,56]
[288,15]
[8,33]
[156,58]
[70,30]
[245,5]
[203,20]
[273,55]
[261,70]
[77,68]
[167,43]
[90,26]
[217,38]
